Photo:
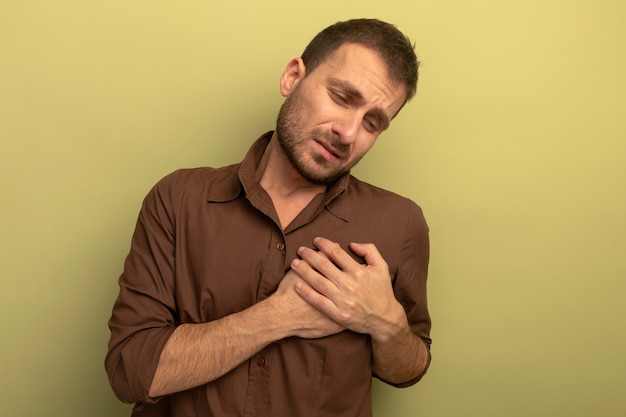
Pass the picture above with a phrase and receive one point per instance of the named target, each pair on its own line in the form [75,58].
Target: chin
[321,178]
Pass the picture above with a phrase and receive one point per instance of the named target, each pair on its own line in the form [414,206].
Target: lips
[328,152]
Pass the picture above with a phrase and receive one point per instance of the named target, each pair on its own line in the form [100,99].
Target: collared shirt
[208,243]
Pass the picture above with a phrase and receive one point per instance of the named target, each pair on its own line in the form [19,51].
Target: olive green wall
[515,146]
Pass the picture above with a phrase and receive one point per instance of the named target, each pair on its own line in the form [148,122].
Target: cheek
[363,146]
[314,101]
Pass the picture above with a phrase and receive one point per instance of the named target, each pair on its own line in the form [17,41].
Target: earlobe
[291,76]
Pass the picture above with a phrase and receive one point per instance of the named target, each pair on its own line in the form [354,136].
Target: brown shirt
[208,243]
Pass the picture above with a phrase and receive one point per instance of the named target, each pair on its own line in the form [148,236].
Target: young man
[280,285]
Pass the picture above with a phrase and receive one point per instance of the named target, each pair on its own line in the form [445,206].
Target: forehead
[366,71]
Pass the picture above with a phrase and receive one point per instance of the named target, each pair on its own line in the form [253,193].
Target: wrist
[275,321]
[395,326]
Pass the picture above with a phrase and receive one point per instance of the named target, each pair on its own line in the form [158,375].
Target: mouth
[328,152]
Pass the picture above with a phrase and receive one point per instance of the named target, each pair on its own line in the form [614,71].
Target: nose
[347,127]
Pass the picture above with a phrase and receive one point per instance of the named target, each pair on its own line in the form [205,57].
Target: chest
[230,256]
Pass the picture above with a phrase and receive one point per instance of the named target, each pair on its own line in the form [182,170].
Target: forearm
[199,353]
[399,355]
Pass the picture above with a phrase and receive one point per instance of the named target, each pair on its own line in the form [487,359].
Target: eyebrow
[351,90]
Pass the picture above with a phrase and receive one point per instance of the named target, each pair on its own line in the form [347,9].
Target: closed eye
[371,125]
[339,98]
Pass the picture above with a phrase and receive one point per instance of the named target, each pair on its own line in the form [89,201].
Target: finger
[319,261]
[335,253]
[369,253]
[309,273]
[315,299]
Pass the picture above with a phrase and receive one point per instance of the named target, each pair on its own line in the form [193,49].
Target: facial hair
[292,136]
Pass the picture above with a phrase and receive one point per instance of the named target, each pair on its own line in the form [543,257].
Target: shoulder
[199,176]
[211,183]
[375,197]
[381,206]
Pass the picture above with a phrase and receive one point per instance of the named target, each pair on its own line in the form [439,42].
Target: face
[332,116]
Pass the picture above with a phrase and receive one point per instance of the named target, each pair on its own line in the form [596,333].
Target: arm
[401,355]
[361,298]
[199,353]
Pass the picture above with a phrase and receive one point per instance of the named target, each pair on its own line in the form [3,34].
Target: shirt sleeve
[143,313]
[410,282]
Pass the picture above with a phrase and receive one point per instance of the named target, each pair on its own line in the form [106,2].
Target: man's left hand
[358,296]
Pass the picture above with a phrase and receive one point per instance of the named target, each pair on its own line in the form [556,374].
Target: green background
[515,147]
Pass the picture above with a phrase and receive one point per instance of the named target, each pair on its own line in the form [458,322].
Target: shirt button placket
[257,396]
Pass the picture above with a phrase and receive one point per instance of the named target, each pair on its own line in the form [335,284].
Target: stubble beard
[291,137]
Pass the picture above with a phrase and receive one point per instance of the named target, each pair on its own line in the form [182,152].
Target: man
[280,285]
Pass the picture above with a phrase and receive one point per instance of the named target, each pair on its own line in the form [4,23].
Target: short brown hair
[384,38]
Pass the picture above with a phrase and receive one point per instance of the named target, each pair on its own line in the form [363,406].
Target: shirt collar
[232,179]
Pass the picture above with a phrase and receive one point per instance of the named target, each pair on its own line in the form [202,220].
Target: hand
[357,296]
[303,319]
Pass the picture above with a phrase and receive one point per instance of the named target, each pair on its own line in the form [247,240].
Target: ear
[292,75]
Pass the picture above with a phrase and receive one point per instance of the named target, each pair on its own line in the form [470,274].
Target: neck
[290,193]
[278,176]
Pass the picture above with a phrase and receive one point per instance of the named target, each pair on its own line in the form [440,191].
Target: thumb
[369,253]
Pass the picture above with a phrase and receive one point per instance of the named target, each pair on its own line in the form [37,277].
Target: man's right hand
[303,319]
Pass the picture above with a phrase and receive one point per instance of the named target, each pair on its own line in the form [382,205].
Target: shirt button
[260,361]
[280,246]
